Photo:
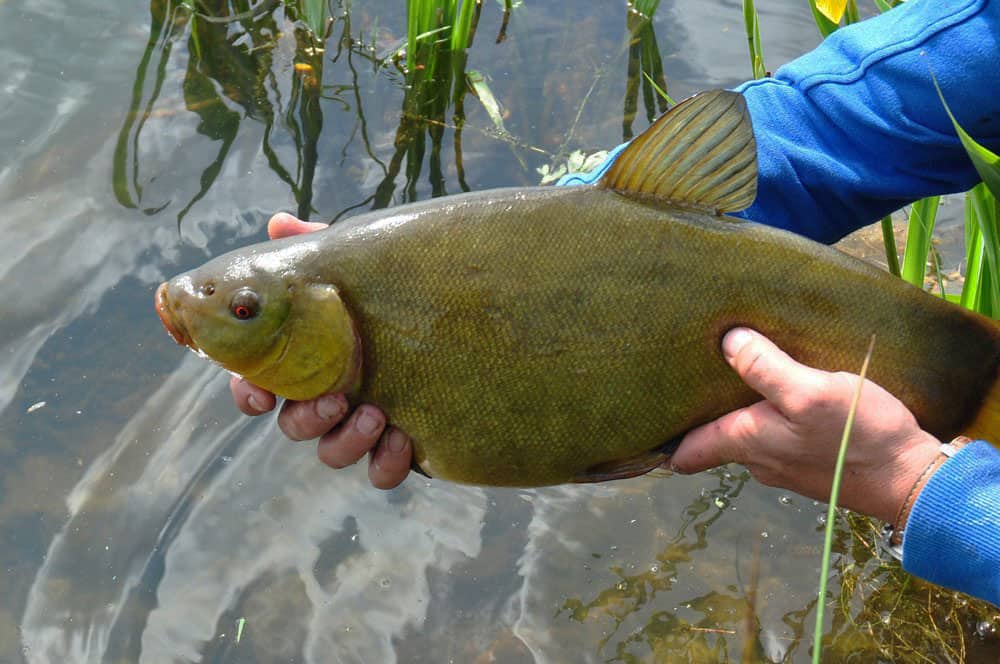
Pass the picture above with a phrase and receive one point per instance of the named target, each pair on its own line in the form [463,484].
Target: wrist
[897,526]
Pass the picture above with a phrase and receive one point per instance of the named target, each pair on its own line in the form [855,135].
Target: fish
[548,335]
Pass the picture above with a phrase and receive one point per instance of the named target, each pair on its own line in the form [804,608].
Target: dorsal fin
[701,153]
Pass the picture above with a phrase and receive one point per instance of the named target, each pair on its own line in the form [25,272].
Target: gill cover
[321,352]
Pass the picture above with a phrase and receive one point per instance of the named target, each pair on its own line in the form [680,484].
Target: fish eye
[245,305]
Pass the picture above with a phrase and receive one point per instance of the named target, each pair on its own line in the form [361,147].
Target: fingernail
[367,423]
[674,468]
[330,407]
[396,442]
[252,402]
[734,340]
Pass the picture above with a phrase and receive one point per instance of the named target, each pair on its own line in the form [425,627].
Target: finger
[352,440]
[733,437]
[250,399]
[390,462]
[766,368]
[285,225]
[302,420]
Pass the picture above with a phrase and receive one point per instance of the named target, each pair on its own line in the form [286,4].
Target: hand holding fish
[791,439]
[344,438]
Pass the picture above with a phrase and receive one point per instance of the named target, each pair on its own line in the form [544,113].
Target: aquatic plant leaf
[480,88]
[752,24]
[987,164]
[920,228]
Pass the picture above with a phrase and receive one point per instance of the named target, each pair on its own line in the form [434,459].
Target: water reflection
[258,62]
[185,525]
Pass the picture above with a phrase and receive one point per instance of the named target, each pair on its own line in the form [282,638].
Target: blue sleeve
[854,129]
[952,537]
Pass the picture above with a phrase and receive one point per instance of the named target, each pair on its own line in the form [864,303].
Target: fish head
[258,316]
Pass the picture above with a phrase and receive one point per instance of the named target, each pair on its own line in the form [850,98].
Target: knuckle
[291,424]
[745,427]
[813,398]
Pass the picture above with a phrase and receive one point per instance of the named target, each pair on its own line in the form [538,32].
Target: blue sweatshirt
[854,130]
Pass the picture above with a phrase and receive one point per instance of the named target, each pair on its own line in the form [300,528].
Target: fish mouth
[170,320]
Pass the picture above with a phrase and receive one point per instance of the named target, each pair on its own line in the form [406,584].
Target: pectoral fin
[699,154]
[622,469]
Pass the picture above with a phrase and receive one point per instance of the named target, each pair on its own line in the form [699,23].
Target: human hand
[791,439]
[342,442]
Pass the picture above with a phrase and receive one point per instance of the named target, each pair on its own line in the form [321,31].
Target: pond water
[142,519]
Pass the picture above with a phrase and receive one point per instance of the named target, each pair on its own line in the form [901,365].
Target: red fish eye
[245,305]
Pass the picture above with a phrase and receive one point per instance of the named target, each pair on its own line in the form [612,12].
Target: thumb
[286,225]
[766,368]
[734,437]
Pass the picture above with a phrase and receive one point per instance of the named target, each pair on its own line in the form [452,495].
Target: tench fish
[536,336]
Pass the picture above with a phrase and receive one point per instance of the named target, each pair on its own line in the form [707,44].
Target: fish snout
[169,317]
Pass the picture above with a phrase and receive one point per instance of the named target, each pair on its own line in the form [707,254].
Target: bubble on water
[763,534]
[821,519]
[721,502]
[986,629]
[785,499]
[385,582]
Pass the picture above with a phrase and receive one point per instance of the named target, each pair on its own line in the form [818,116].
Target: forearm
[952,536]
[854,129]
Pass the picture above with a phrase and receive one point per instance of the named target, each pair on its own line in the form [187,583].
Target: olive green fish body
[526,337]
[526,348]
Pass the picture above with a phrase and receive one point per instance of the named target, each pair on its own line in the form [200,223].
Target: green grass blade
[889,240]
[752,25]
[831,512]
[646,7]
[923,214]
[660,91]
[973,262]
[460,35]
[984,209]
[883,6]
[412,23]
[851,14]
[987,164]
[313,13]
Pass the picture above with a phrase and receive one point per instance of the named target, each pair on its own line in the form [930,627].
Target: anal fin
[639,464]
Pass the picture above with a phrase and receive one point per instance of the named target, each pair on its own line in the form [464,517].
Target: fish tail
[986,423]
